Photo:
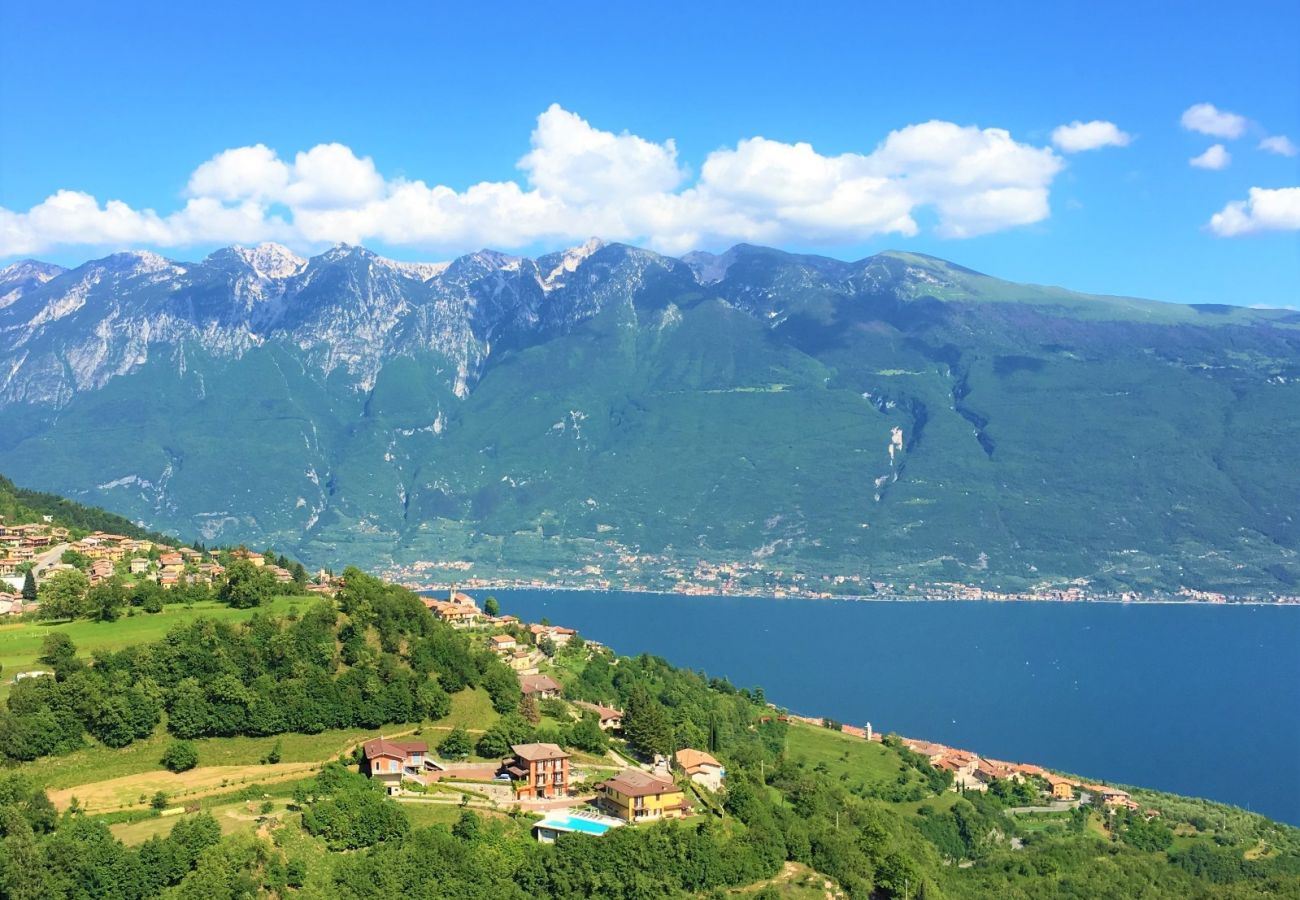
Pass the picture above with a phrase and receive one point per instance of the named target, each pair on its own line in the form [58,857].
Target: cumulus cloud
[1215,157]
[578,180]
[1279,144]
[1079,136]
[1264,210]
[1206,118]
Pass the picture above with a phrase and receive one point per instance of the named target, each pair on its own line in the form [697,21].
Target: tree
[547,646]
[495,742]
[646,725]
[246,585]
[586,735]
[455,745]
[159,800]
[467,826]
[59,653]
[29,586]
[432,701]
[75,558]
[492,607]
[528,709]
[63,594]
[104,601]
[180,756]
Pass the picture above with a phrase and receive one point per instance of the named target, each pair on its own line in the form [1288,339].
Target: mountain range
[897,419]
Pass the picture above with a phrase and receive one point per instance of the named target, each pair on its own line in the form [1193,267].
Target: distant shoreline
[435,587]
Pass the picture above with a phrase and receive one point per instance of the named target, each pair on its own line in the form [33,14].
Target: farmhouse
[501,644]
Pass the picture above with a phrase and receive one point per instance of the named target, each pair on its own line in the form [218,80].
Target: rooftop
[538,752]
[635,783]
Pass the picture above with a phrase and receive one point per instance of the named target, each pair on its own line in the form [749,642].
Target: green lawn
[864,762]
[20,644]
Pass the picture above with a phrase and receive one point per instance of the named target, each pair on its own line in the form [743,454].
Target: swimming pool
[564,822]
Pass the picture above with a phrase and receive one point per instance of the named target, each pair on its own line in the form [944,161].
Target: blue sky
[930,128]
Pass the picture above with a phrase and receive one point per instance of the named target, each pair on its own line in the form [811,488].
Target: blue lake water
[1198,700]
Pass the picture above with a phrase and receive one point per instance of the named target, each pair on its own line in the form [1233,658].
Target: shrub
[181,756]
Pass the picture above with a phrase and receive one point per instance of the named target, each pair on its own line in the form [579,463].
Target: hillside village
[541,777]
[46,549]
[576,791]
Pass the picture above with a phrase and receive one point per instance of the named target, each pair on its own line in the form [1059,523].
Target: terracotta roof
[535,684]
[502,639]
[693,760]
[605,712]
[538,752]
[635,783]
[395,749]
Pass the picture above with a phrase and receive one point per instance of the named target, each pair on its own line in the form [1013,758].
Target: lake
[1198,700]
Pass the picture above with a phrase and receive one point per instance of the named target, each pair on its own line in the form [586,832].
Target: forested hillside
[21,506]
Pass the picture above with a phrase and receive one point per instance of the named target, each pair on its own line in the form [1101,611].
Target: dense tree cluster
[347,810]
[666,708]
[44,855]
[383,660]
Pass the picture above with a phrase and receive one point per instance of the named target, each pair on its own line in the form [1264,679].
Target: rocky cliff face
[348,309]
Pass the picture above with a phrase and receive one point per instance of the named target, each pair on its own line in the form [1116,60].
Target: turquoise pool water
[574,823]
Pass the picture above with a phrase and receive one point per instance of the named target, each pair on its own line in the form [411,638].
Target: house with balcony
[390,761]
[539,771]
[636,796]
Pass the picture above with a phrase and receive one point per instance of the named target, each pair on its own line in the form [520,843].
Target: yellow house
[636,796]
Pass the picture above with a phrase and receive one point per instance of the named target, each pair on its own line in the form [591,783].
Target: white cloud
[1206,118]
[243,173]
[1265,210]
[1215,157]
[1279,144]
[577,181]
[1079,136]
[573,161]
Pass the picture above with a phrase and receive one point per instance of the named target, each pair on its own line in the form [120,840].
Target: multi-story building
[538,770]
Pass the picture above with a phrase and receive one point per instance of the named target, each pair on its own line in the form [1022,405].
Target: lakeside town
[41,546]
[657,573]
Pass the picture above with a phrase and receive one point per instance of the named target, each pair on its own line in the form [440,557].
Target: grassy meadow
[20,642]
[845,758]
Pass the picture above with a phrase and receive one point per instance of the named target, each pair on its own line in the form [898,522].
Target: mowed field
[863,762]
[20,643]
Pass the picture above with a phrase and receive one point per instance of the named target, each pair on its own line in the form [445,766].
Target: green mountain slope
[897,420]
